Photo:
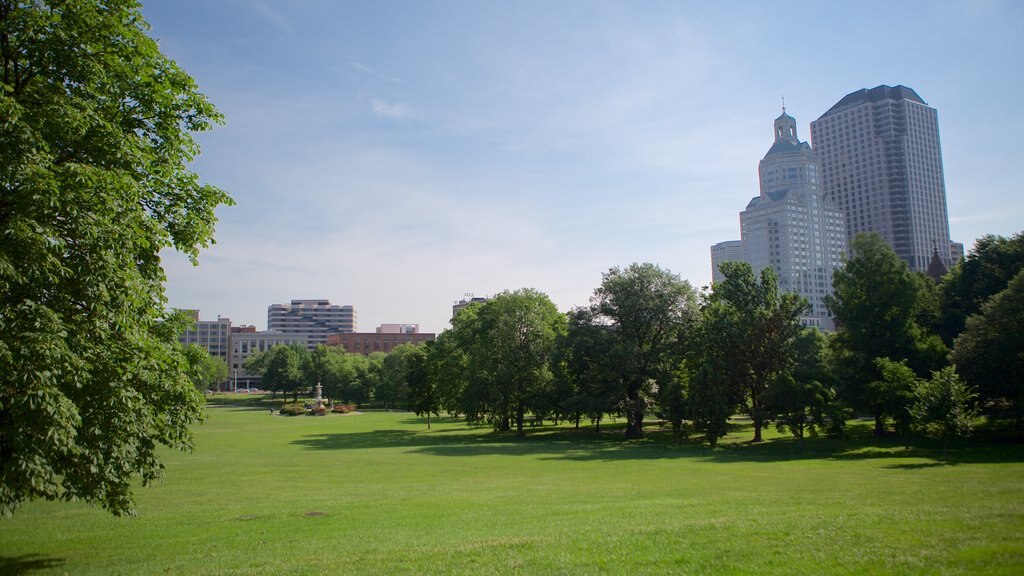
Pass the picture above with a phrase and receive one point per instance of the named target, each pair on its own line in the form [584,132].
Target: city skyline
[395,156]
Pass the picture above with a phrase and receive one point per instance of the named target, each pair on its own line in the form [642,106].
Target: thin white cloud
[374,72]
[273,16]
[385,109]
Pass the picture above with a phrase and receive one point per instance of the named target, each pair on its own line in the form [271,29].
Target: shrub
[317,411]
[293,409]
[343,408]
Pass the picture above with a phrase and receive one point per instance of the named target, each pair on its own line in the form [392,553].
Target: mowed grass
[377,493]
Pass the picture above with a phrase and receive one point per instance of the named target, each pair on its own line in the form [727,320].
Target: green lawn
[379,494]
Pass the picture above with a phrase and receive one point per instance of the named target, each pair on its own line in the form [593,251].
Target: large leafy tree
[801,400]
[512,352]
[759,326]
[984,272]
[590,365]
[95,140]
[989,353]
[423,396]
[285,369]
[647,311]
[876,302]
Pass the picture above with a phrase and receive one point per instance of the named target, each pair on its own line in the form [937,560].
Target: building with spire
[881,164]
[790,227]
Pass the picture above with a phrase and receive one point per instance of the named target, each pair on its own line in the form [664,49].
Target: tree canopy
[646,310]
[875,304]
[757,328]
[95,140]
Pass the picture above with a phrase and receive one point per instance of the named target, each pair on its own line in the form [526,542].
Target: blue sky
[395,155]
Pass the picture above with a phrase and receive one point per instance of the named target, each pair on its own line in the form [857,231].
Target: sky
[396,155]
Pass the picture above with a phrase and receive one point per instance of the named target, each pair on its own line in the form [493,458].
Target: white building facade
[791,227]
[313,319]
[245,344]
[728,251]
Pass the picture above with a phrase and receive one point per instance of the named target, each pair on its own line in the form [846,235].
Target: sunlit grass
[379,494]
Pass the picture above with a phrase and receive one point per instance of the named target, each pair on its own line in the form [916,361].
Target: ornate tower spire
[785,126]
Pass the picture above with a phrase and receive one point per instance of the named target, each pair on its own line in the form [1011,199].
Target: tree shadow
[28,563]
[921,465]
[586,444]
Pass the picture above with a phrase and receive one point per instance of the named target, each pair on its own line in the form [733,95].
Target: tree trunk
[519,422]
[634,415]
[758,423]
[428,420]
[879,423]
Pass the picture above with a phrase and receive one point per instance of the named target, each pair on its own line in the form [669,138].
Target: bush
[318,411]
[293,410]
[343,408]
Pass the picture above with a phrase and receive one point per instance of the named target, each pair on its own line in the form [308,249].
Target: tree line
[907,352]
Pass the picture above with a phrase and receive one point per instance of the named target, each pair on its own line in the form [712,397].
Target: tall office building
[881,164]
[313,318]
[791,227]
[728,251]
[214,335]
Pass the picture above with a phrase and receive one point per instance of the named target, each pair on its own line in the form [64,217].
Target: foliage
[293,409]
[757,326]
[646,312]
[589,364]
[393,388]
[989,353]
[206,371]
[944,406]
[317,411]
[510,356]
[893,392]
[423,395]
[984,272]
[343,408]
[447,365]
[802,401]
[96,136]
[876,302]
[282,369]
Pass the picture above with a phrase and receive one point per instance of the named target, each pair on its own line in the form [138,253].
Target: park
[377,493]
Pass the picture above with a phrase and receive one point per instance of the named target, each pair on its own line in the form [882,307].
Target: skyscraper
[790,226]
[881,164]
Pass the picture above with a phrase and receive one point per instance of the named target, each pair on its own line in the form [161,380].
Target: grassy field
[377,493]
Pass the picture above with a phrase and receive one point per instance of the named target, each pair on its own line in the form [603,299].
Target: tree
[283,369]
[801,400]
[592,367]
[423,397]
[944,406]
[206,371]
[95,142]
[983,273]
[760,326]
[511,357]
[875,302]
[647,310]
[989,353]
[893,392]
[393,388]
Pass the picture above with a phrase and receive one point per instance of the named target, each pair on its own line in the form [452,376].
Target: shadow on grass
[29,563]
[585,444]
[262,402]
